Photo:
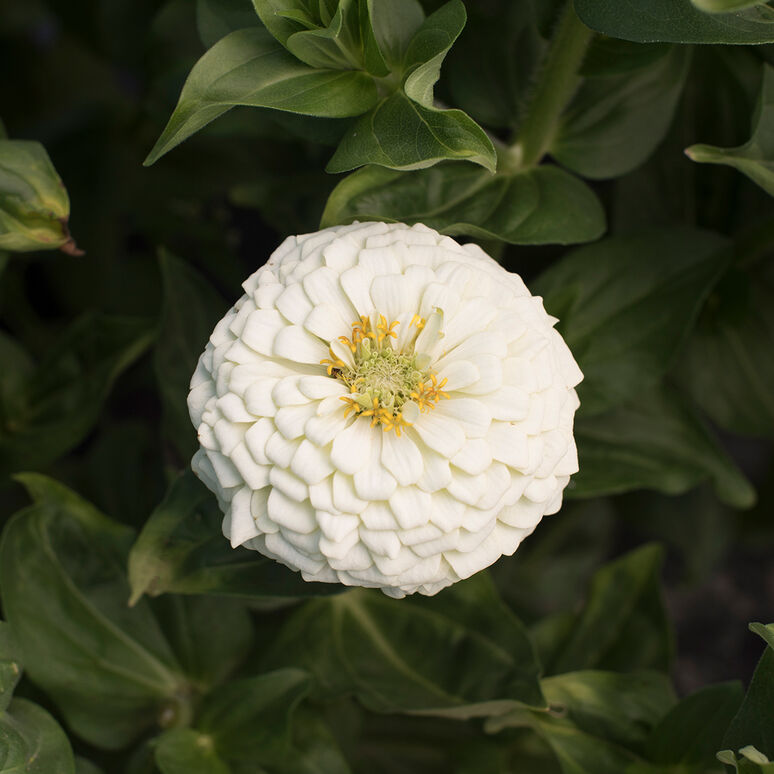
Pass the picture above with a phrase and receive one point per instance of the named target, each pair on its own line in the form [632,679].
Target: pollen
[384,382]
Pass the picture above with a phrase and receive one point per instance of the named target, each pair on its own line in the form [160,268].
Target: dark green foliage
[135,640]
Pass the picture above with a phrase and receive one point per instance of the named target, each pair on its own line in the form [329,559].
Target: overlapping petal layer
[334,495]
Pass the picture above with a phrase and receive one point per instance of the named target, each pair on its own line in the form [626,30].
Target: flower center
[385,384]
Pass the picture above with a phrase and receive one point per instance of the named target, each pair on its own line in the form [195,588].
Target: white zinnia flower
[384,407]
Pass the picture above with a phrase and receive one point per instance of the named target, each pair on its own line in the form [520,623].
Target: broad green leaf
[34,206]
[336,46]
[725,6]
[59,401]
[620,708]
[428,48]
[753,724]
[211,636]
[675,21]
[186,751]
[108,668]
[626,304]
[399,133]
[191,309]
[623,625]
[249,720]
[581,753]
[313,749]
[248,67]
[181,549]
[726,364]
[656,441]
[217,18]
[688,735]
[616,120]
[282,18]
[490,68]
[756,157]
[11,664]
[31,741]
[394,25]
[541,206]
[84,766]
[459,654]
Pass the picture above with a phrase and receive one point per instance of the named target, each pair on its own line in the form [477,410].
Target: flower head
[384,407]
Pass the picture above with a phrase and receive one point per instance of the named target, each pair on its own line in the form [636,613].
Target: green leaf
[619,708]
[687,736]
[59,401]
[428,48]
[751,761]
[32,741]
[675,21]
[626,304]
[725,6]
[211,636]
[394,24]
[108,668]
[656,441]
[402,134]
[753,724]
[248,67]
[185,751]
[83,766]
[217,18]
[459,654]
[10,664]
[540,206]
[756,157]
[491,67]
[34,206]
[313,749]
[616,119]
[189,313]
[726,365]
[249,720]
[181,549]
[623,625]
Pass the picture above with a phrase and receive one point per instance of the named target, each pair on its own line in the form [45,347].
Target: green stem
[555,87]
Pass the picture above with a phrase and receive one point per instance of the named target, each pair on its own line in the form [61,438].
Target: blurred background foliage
[219,667]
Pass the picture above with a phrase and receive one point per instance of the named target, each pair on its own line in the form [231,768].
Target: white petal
[242,526]
[280,450]
[278,547]
[436,473]
[378,516]
[509,444]
[317,387]
[258,399]
[290,420]
[291,514]
[356,283]
[474,457]
[261,330]
[440,433]
[255,476]
[352,446]
[344,497]
[383,542]
[337,549]
[402,458]
[294,304]
[326,322]
[372,481]
[411,506]
[323,287]
[287,483]
[458,374]
[388,293]
[467,563]
[337,526]
[286,393]
[310,463]
[446,512]
[321,430]
[507,403]
[256,439]
[297,344]
[468,413]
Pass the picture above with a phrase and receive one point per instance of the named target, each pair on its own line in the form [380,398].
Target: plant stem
[555,87]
